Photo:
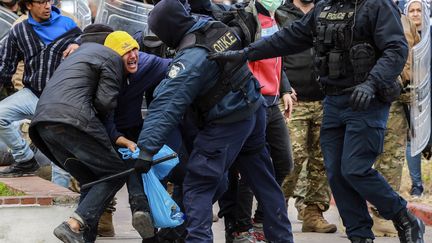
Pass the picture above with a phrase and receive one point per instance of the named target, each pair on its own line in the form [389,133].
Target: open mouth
[132,64]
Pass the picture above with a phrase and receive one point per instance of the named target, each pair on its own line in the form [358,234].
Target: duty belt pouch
[321,65]
[336,65]
[362,58]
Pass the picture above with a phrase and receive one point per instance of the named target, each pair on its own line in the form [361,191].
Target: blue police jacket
[190,75]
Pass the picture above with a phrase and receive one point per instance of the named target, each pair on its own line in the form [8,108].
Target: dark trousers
[86,159]
[350,142]
[215,149]
[236,203]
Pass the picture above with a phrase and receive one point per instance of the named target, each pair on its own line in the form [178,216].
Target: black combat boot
[410,228]
[361,240]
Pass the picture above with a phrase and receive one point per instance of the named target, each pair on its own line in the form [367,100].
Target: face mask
[307,1]
[271,5]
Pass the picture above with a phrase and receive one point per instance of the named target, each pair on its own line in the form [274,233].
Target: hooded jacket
[299,67]
[83,89]
[269,71]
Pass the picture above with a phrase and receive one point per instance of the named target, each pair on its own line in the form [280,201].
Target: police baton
[127,172]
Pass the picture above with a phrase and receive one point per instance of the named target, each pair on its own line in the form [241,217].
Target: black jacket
[299,67]
[375,20]
[83,88]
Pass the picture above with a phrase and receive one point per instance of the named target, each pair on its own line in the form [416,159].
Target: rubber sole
[143,223]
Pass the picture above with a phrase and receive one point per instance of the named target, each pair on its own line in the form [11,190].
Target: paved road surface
[126,234]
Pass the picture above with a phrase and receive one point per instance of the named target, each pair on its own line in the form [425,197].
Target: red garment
[267,71]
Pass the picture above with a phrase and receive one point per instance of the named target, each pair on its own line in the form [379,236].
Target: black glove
[239,56]
[142,166]
[362,95]
[427,152]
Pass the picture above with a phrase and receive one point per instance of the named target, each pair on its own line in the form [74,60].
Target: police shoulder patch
[175,69]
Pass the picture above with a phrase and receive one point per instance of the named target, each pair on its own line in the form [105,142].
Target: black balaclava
[200,6]
[170,21]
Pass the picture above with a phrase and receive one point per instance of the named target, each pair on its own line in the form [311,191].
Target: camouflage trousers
[390,162]
[304,128]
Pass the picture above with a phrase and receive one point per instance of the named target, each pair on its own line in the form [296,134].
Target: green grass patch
[6,191]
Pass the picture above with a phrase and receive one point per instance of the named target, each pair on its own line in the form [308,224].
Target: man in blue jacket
[229,111]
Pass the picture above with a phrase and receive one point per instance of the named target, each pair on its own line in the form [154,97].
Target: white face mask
[271,5]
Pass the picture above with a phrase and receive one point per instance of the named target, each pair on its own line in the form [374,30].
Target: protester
[85,88]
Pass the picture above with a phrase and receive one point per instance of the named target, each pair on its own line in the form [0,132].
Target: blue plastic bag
[163,169]
[166,213]
[128,154]
[160,170]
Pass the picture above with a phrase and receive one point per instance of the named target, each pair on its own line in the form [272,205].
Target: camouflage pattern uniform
[390,162]
[304,128]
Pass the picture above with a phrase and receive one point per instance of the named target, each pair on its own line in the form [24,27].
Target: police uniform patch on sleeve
[175,69]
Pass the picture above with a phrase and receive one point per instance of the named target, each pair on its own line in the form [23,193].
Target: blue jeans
[86,159]
[59,176]
[350,142]
[414,166]
[21,105]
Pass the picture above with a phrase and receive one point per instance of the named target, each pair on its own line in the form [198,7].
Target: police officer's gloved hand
[142,166]
[362,95]
[427,152]
[143,163]
[238,56]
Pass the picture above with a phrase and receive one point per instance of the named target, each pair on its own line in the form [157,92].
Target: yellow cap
[121,42]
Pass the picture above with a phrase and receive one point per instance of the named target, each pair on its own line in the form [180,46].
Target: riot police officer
[360,50]
[228,109]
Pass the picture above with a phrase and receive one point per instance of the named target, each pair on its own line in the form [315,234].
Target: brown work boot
[313,221]
[105,226]
[382,227]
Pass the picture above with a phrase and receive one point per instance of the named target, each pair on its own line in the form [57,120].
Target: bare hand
[288,104]
[293,95]
[124,142]
[71,48]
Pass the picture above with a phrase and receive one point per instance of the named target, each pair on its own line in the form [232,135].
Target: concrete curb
[423,211]
[37,192]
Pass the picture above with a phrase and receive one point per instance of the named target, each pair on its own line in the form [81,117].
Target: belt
[336,90]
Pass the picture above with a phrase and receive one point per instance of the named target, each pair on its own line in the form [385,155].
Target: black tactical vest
[218,37]
[338,53]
